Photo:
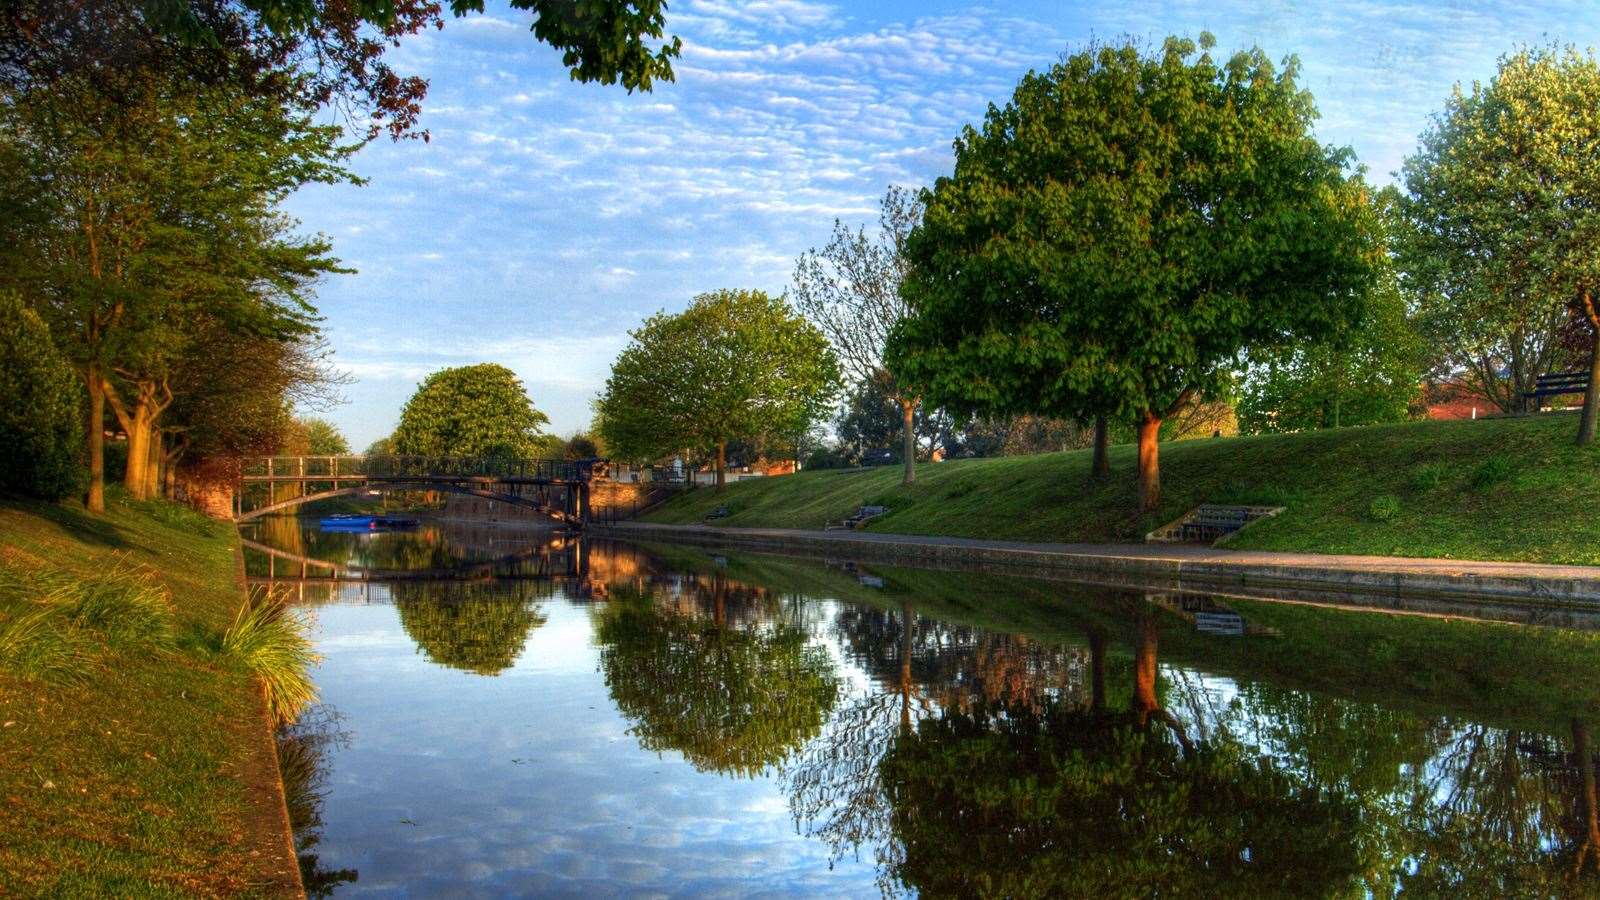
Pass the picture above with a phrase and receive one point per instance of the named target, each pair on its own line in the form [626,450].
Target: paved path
[1388,575]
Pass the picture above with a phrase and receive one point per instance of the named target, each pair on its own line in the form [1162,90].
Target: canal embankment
[1305,576]
[136,754]
[1512,489]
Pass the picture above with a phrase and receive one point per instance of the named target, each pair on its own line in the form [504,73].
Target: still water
[517,713]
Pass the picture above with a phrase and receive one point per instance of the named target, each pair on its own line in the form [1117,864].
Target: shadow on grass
[80,524]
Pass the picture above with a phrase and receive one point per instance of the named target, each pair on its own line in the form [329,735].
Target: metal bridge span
[559,488]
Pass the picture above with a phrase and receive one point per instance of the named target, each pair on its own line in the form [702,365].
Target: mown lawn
[1498,489]
[142,772]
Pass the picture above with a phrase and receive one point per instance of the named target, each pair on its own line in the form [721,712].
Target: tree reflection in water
[715,670]
[988,764]
[302,759]
[475,627]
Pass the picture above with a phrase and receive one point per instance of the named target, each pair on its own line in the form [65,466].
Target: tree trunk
[905,667]
[95,499]
[133,477]
[908,440]
[1590,799]
[1591,396]
[1102,449]
[722,464]
[1097,670]
[152,469]
[1145,701]
[1149,462]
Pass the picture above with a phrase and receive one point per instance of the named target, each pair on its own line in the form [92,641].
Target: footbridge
[557,487]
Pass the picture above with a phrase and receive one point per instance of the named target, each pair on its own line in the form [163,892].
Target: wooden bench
[1554,384]
[720,512]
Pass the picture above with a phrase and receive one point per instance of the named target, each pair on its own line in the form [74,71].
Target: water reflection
[714,670]
[931,733]
[302,759]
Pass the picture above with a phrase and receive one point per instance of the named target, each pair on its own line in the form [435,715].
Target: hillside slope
[1494,489]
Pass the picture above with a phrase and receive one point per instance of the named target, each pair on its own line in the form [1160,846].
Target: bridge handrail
[343,466]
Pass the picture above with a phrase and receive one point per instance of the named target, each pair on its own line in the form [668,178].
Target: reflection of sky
[529,784]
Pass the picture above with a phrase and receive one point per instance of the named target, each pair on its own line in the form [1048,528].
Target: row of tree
[1137,236]
[146,148]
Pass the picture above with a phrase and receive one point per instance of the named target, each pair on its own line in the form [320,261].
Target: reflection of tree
[731,698]
[474,627]
[302,750]
[1071,802]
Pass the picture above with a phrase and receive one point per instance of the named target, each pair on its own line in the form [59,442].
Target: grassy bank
[135,757]
[1497,489]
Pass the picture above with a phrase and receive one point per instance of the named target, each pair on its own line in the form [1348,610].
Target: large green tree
[1113,237]
[473,411]
[1503,203]
[735,365]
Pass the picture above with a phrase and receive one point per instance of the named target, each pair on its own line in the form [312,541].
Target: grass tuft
[1384,508]
[127,606]
[1427,476]
[269,641]
[1491,472]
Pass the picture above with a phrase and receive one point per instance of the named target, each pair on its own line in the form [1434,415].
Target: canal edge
[286,881]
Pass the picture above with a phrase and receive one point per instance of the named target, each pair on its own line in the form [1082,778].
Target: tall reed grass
[269,641]
[56,625]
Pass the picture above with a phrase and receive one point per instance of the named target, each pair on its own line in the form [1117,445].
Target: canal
[509,713]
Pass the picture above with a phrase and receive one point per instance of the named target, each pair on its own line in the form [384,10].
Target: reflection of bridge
[559,488]
[553,561]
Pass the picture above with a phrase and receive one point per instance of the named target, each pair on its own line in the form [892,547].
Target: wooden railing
[354,468]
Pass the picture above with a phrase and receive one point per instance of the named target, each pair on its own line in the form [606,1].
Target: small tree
[323,438]
[1504,211]
[1112,238]
[734,365]
[479,410]
[41,408]
[851,289]
[1364,375]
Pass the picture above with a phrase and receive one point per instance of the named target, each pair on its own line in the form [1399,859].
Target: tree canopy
[479,410]
[313,54]
[735,365]
[1113,237]
[1503,204]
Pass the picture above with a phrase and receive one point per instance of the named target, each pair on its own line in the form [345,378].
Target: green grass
[130,751]
[1498,489]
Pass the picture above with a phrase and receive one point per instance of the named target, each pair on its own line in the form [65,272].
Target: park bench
[720,512]
[1554,384]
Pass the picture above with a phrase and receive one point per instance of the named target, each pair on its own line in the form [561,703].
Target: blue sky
[546,218]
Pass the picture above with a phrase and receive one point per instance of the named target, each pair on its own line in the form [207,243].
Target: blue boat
[364,522]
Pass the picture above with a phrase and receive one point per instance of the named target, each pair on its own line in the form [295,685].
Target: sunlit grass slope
[1498,489]
[132,742]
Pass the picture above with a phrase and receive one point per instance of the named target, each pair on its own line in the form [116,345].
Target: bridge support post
[583,503]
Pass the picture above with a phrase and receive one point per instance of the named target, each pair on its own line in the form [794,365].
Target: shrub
[1383,508]
[41,408]
[1427,476]
[1491,472]
[269,642]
